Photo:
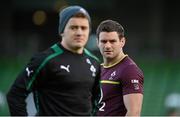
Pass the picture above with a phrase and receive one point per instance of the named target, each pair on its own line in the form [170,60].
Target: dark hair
[110,26]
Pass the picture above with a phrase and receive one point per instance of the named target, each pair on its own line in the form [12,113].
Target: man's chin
[78,46]
[108,56]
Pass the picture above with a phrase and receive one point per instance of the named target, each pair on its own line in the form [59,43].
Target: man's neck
[73,50]
[114,61]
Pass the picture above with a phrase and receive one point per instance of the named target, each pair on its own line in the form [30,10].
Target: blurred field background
[151,28]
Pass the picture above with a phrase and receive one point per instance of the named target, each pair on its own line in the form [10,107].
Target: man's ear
[123,41]
[62,34]
[97,42]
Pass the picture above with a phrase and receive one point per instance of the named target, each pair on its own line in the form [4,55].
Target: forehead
[108,35]
[79,21]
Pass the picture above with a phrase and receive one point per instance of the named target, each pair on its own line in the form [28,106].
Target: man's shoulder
[131,68]
[41,56]
[129,63]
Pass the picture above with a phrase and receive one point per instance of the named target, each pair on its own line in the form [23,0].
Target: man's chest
[111,82]
[72,71]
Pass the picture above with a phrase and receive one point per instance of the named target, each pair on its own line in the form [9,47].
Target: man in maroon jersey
[121,79]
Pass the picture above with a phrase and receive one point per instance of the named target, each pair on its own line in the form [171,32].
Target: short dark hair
[110,26]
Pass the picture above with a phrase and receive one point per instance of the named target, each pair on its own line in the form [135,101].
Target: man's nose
[79,31]
[107,45]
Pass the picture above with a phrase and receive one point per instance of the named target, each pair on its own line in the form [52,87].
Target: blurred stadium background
[152,31]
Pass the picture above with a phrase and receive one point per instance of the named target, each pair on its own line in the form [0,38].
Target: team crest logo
[112,75]
[88,61]
[92,68]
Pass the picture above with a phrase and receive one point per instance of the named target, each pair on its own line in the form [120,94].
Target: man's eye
[112,41]
[102,41]
[83,28]
[73,27]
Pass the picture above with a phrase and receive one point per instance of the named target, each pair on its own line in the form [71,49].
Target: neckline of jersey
[120,60]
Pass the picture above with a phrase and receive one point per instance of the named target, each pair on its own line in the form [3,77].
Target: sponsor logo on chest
[66,68]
